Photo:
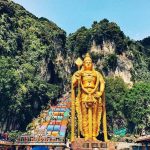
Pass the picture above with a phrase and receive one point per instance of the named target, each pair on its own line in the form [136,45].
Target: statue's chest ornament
[88,75]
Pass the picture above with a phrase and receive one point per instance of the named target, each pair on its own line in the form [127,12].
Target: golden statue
[89,102]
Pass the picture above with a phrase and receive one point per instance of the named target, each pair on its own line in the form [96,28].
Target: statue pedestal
[81,144]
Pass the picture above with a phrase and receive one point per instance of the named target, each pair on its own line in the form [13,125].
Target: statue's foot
[86,138]
[106,140]
[94,139]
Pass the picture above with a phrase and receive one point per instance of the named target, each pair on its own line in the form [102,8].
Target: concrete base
[81,144]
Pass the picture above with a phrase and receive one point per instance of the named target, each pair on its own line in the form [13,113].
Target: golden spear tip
[78,62]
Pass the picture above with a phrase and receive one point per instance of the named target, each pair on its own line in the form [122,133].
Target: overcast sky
[133,16]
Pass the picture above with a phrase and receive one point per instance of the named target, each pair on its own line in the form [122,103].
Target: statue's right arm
[75,78]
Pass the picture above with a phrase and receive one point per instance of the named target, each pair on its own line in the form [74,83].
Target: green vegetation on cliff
[28,76]
[81,40]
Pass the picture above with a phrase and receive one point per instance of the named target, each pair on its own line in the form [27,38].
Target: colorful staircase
[50,127]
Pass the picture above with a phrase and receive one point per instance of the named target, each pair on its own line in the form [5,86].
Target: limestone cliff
[124,64]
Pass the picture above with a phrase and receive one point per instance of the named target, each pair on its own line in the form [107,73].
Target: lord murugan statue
[88,101]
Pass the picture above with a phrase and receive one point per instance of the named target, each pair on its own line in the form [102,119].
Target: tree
[137,106]
[79,41]
[115,89]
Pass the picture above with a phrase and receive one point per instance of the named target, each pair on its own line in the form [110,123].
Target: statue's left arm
[102,84]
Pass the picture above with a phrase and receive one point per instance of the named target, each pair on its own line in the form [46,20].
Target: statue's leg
[95,121]
[85,120]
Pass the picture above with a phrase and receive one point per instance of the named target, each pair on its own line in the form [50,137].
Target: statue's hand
[77,75]
[98,94]
[75,78]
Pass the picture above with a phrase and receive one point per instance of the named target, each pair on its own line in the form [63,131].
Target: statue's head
[87,63]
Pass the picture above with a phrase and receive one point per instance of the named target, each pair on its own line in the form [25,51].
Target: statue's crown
[87,57]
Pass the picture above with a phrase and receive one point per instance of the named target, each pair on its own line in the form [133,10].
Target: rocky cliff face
[106,48]
[124,64]
[123,70]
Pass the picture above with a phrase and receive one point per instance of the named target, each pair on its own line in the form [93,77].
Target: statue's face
[88,64]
